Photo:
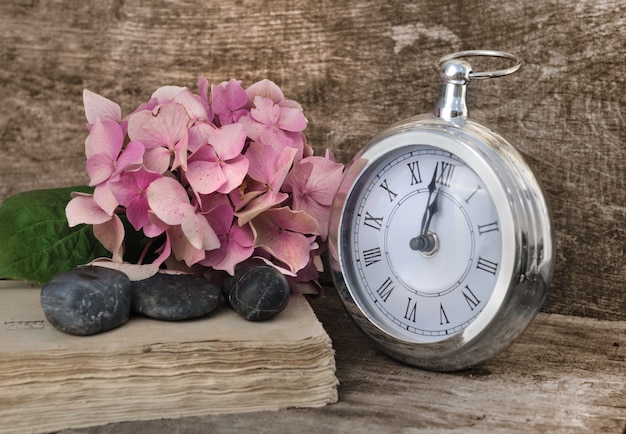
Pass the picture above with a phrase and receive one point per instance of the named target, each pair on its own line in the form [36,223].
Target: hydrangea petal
[235,242]
[258,205]
[227,100]
[155,226]
[198,230]
[291,119]
[199,136]
[234,172]
[276,138]
[99,107]
[131,156]
[237,247]
[269,168]
[104,198]
[99,168]
[297,221]
[130,190]
[205,176]
[281,232]
[164,126]
[265,88]
[111,236]
[83,209]
[106,137]
[203,96]
[228,141]
[180,153]
[167,93]
[265,111]
[268,165]
[168,200]
[183,96]
[324,180]
[134,272]
[192,104]
[182,248]
[313,183]
[157,159]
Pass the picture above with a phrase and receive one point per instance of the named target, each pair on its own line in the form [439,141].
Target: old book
[149,369]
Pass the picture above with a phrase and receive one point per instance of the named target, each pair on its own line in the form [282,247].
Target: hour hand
[431,209]
[424,241]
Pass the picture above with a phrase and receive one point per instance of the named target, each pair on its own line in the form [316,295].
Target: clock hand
[424,242]
[431,207]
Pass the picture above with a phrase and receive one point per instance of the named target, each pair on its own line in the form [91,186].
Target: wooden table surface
[564,374]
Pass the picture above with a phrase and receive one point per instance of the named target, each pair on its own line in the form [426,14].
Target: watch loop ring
[484,53]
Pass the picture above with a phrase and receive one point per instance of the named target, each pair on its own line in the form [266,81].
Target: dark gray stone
[174,297]
[87,300]
[258,292]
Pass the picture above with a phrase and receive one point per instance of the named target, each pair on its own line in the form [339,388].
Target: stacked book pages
[149,369]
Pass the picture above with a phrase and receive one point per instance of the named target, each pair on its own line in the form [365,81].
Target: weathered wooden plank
[356,66]
[563,375]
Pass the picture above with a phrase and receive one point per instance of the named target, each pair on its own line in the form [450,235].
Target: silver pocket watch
[441,245]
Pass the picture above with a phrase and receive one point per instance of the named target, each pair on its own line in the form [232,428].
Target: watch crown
[456,76]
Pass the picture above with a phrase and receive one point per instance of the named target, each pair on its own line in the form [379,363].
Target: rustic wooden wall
[356,66]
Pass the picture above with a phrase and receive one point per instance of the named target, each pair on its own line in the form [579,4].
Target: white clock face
[425,243]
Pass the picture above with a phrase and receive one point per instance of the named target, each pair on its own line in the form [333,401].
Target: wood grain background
[357,66]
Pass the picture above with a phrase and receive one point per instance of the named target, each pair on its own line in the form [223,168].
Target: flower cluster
[210,179]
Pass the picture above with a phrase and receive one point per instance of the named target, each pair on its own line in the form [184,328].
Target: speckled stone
[258,292]
[87,300]
[174,297]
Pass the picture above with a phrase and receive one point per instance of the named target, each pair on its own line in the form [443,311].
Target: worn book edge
[149,369]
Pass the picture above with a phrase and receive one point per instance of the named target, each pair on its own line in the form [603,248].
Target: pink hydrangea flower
[269,168]
[270,124]
[282,232]
[105,162]
[190,230]
[219,166]
[228,101]
[313,183]
[164,133]
[130,191]
[236,242]
[196,106]
[269,90]
[212,179]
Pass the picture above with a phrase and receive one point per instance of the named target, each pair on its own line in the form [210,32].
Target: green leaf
[36,241]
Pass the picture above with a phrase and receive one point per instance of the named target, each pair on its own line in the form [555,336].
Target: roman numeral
[446,170]
[489,227]
[414,167]
[470,298]
[371,256]
[443,318]
[488,266]
[411,310]
[385,187]
[373,222]
[478,188]
[385,290]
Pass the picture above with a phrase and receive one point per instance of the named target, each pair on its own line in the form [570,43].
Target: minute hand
[431,205]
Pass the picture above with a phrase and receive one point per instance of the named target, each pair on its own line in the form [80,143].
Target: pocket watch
[441,246]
